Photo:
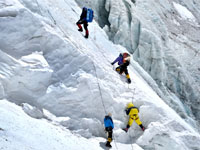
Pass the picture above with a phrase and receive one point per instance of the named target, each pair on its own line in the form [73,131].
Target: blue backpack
[90,15]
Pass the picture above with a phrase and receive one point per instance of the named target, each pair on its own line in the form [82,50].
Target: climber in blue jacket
[109,126]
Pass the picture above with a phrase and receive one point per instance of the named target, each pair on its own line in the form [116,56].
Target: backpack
[129,109]
[90,15]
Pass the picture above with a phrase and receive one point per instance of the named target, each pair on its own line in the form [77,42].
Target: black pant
[85,24]
[122,69]
[109,130]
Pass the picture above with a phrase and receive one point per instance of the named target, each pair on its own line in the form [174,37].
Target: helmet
[125,55]
[129,105]
[109,114]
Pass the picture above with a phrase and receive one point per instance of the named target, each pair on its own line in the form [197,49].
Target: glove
[126,110]
[112,63]
[129,81]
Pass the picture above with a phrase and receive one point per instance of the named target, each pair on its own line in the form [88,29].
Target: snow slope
[48,64]
[19,131]
[163,37]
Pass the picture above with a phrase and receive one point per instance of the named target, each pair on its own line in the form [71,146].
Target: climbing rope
[54,21]
[114,140]
[103,101]
[39,7]
[132,102]
[133,94]
[71,7]
[99,88]
[130,140]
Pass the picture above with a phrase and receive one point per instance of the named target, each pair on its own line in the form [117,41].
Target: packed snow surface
[18,130]
[184,12]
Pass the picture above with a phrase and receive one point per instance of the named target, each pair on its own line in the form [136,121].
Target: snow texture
[184,12]
[20,131]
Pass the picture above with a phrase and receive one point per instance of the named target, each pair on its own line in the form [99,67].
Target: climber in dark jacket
[83,21]
[123,62]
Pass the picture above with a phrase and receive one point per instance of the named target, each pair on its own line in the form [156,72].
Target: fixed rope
[99,89]
[130,140]
[114,141]
[39,7]
[54,21]
[103,101]
[132,102]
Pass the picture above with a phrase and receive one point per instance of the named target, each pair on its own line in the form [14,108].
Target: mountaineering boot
[142,127]
[80,30]
[118,69]
[129,81]
[86,34]
[125,129]
[80,27]
[128,78]
[108,144]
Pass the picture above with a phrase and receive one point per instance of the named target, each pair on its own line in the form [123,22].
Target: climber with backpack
[123,62]
[109,125]
[132,112]
[86,16]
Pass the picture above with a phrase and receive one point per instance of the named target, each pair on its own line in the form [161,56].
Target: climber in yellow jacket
[132,111]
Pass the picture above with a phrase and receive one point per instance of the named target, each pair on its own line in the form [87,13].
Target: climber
[132,111]
[86,16]
[123,62]
[109,125]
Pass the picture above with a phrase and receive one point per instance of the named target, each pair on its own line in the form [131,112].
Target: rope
[103,101]
[114,141]
[71,7]
[99,88]
[133,94]
[51,16]
[39,7]
[132,102]
[130,140]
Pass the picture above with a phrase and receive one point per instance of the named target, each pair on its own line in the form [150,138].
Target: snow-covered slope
[48,64]
[163,37]
[19,131]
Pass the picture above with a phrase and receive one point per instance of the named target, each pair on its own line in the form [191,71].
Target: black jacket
[84,13]
[124,65]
